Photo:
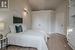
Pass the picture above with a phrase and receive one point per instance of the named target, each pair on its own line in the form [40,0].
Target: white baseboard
[71,45]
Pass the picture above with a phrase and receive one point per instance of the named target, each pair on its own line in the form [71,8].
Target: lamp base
[1,36]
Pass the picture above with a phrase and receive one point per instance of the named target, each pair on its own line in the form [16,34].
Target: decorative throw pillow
[18,28]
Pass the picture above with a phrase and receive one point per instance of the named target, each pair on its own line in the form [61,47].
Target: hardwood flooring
[55,42]
[58,42]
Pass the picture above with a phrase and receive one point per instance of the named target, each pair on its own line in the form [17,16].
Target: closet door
[41,20]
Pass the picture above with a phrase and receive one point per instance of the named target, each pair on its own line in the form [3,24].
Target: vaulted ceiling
[44,4]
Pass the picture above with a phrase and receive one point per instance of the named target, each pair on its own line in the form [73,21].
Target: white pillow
[24,28]
[12,28]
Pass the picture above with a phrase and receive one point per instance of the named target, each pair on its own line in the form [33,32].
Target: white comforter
[30,38]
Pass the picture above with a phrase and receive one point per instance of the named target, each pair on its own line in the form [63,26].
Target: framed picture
[4,4]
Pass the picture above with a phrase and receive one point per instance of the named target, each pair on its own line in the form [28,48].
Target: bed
[30,38]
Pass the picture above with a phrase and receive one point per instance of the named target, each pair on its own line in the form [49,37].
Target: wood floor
[55,42]
[58,42]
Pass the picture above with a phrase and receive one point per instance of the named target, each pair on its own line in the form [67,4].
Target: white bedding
[30,38]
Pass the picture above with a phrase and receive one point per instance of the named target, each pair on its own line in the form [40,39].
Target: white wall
[16,7]
[18,10]
[61,19]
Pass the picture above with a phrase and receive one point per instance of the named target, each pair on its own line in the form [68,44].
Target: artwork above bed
[17,20]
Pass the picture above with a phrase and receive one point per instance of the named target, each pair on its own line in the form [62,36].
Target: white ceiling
[44,4]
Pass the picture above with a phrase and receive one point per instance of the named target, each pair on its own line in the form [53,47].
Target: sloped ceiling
[44,4]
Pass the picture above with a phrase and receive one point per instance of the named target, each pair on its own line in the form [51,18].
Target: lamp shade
[1,26]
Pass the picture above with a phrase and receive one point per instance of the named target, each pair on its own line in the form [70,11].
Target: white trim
[71,45]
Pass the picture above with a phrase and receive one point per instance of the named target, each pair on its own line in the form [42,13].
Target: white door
[41,20]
